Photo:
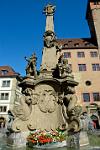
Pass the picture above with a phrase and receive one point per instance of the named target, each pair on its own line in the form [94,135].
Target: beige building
[84,57]
[9,90]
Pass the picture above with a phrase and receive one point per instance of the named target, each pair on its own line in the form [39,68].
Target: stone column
[49,11]
[49,23]
[49,57]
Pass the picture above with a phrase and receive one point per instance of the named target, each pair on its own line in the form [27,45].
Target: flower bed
[38,137]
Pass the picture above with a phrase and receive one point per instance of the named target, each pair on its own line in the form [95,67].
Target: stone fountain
[49,99]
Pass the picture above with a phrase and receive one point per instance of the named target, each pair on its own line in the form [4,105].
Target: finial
[49,9]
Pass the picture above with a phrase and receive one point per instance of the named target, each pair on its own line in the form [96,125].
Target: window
[94,54]
[65,45]
[86,97]
[4,72]
[82,67]
[4,96]
[76,44]
[80,54]
[88,83]
[96,67]
[69,41]
[67,55]
[96,2]
[87,43]
[96,96]
[3,108]
[6,83]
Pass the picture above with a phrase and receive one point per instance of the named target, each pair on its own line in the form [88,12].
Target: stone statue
[70,110]
[63,66]
[71,113]
[49,39]
[31,66]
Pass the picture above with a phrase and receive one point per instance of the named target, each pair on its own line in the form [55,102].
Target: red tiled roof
[86,43]
[7,71]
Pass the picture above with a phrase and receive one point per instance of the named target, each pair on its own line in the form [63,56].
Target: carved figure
[70,101]
[23,109]
[31,66]
[49,39]
[9,123]
[71,112]
[64,68]
[70,90]
[74,119]
[31,96]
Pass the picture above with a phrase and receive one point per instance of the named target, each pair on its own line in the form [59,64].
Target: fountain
[47,115]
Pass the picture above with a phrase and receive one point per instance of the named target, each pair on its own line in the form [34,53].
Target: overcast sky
[22,26]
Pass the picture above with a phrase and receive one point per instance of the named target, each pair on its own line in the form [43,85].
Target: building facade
[84,58]
[9,89]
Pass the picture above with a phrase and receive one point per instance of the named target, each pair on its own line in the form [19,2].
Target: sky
[22,25]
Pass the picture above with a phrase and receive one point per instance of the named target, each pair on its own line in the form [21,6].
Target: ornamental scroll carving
[44,97]
[23,109]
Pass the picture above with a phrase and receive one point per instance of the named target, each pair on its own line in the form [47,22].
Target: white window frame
[4,96]
[3,112]
[6,83]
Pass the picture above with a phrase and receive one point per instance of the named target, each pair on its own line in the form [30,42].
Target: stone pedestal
[73,141]
[83,138]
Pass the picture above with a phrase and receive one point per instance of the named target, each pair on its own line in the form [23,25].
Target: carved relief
[27,91]
[45,97]
[35,98]
[47,101]
[49,39]
[22,110]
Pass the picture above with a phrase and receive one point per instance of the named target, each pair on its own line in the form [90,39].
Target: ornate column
[49,57]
